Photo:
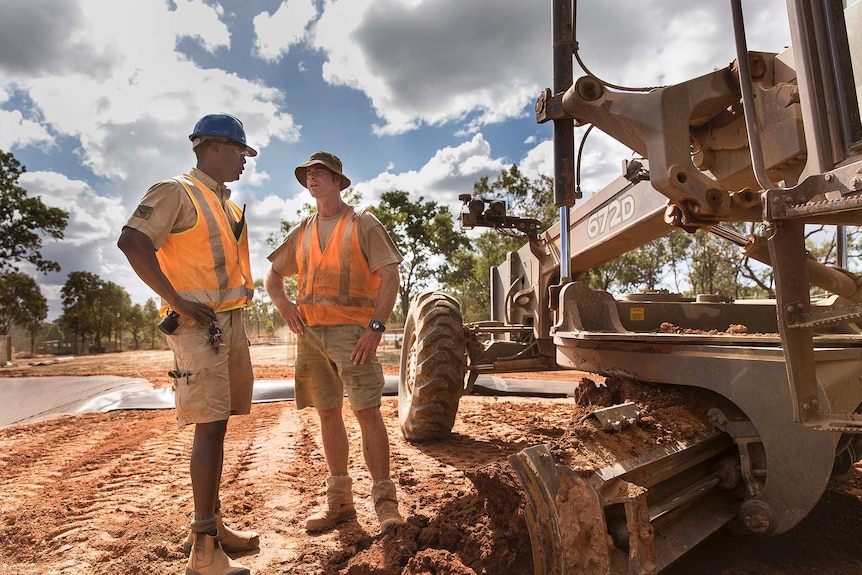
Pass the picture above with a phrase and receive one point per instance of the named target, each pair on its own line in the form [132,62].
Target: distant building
[55,347]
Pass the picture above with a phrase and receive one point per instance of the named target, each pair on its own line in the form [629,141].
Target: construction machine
[773,138]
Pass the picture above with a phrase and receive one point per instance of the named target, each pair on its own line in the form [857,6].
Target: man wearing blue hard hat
[189,242]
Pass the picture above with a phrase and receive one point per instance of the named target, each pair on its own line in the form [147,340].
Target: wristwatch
[376,325]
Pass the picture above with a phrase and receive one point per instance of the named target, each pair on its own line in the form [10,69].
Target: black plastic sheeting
[33,398]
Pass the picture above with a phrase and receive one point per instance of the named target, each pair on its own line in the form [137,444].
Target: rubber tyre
[433,364]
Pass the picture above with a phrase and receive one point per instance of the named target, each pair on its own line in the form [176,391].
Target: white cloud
[47,37]
[539,160]
[16,131]
[437,62]
[200,21]
[669,41]
[92,217]
[275,33]
[89,242]
[484,62]
[450,172]
[133,110]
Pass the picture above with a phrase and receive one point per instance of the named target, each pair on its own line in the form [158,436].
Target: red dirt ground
[109,493]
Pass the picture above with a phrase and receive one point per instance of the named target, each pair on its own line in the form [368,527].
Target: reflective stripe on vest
[207,263]
[335,286]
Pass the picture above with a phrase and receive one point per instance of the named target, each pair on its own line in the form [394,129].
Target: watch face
[376,325]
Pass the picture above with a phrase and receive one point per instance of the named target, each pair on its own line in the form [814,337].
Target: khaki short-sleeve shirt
[376,244]
[166,208]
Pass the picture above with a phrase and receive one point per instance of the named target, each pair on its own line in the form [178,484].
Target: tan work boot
[208,558]
[386,503]
[339,504]
[232,540]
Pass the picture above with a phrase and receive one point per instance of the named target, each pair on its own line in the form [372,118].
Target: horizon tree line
[98,315]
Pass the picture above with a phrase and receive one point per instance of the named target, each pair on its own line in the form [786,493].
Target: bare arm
[387,294]
[142,257]
[274,284]
[390,281]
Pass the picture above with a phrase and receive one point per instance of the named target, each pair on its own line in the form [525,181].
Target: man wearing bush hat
[347,282]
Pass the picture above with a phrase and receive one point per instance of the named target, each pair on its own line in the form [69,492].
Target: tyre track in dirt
[275,477]
[24,464]
[121,480]
[84,489]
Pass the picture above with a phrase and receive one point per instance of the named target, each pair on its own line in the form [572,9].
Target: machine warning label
[636,314]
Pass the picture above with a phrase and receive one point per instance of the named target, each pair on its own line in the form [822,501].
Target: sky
[98,97]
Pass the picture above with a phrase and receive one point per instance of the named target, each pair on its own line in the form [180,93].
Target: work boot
[339,504]
[207,557]
[386,503]
[232,540]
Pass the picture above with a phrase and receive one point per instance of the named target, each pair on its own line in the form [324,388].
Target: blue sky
[97,97]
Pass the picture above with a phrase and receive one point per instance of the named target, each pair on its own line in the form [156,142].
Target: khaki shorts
[218,385]
[324,370]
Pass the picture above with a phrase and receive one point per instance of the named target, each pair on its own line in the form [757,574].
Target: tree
[525,197]
[467,275]
[150,320]
[79,295]
[93,307]
[113,305]
[22,304]
[645,267]
[134,323]
[33,324]
[424,233]
[717,266]
[23,219]
[462,281]
[261,313]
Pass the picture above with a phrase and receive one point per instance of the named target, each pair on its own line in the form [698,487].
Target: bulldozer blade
[633,518]
[615,417]
[564,516]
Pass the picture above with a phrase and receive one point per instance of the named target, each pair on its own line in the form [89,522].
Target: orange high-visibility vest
[335,286]
[207,263]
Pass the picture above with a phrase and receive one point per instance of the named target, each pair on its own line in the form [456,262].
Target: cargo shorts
[324,370]
[211,386]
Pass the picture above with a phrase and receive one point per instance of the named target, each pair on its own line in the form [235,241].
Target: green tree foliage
[647,267]
[424,233]
[134,323]
[112,306]
[93,308]
[525,197]
[261,316]
[468,275]
[462,281]
[716,266]
[23,220]
[21,304]
[79,295]
[150,321]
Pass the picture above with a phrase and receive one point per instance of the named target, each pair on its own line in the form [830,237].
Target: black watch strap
[376,326]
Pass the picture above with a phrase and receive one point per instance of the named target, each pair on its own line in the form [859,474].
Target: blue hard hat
[223,126]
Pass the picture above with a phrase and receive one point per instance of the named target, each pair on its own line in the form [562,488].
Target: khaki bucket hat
[331,161]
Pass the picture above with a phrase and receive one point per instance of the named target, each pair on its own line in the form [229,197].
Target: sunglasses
[239,150]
